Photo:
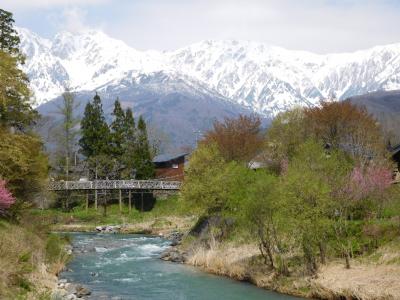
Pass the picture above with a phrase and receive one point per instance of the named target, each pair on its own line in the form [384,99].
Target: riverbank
[371,278]
[157,226]
[368,279]
[30,260]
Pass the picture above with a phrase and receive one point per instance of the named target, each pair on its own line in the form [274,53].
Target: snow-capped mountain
[266,79]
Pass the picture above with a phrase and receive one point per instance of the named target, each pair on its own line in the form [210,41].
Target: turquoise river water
[116,266]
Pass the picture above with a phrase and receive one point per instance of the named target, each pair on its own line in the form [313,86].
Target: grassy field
[166,215]
[168,207]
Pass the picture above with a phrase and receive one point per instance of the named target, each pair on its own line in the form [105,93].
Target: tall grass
[27,255]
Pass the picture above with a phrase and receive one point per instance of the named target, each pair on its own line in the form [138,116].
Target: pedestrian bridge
[114,185]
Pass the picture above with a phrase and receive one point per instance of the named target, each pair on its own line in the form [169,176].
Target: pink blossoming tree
[6,198]
[370,180]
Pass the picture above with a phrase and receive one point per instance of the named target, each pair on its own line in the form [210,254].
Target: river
[116,266]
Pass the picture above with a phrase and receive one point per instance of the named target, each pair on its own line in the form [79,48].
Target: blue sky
[316,25]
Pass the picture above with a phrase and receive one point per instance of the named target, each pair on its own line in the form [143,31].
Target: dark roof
[167,157]
[395,149]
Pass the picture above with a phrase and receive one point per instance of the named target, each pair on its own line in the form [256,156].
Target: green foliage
[54,247]
[300,217]
[129,146]
[285,134]
[95,138]
[206,169]
[261,214]
[116,151]
[213,186]
[23,164]
[15,104]
[307,195]
[118,128]
[66,135]
[163,208]
[9,39]
[143,160]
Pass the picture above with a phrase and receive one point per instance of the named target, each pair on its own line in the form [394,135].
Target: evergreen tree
[118,131]
[9,39]
[129,126]
[129,146]
[95,131]
[143,161]
[15,106]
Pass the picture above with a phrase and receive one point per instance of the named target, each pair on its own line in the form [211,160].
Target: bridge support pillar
[142,208]
[120,201]
[87,201]
[130,200]
[95,199]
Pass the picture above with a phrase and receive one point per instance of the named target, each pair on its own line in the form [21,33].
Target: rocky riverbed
[70,291]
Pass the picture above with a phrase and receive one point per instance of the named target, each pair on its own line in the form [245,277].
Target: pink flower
[6,198]
[369,180]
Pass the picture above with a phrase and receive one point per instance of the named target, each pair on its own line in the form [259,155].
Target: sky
[321,26]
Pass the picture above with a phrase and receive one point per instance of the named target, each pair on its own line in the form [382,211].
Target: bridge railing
[114,185]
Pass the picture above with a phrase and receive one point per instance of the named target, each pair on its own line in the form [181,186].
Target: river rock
[71,297]
[175,238]
[109,228]
[173,255]
[81,291]
[94,274]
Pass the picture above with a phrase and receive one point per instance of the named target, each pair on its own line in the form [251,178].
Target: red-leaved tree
[6,198]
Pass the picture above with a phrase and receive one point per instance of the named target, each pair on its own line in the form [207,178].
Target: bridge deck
[114,185]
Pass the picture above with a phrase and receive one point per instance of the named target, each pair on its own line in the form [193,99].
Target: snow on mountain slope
[266,79]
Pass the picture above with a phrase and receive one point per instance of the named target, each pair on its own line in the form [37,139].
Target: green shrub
[54,248]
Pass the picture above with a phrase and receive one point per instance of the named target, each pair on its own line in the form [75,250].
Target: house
[170,167]
[396,154]
[395,151]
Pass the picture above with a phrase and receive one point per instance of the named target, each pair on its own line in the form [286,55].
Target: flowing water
[115,266]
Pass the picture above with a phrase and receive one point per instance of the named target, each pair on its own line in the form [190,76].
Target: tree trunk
[347,258]
[67,201]
[87,201]
[265,249]
[283,269]
[311,263]
[105,204]
[322,252]
[67,166]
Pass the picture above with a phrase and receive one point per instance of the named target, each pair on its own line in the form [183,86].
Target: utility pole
[198,133]
[95,188]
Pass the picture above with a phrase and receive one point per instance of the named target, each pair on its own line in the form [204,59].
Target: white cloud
[317,25]
[71,19]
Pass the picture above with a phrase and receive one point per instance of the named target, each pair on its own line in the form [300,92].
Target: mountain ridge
[265,79]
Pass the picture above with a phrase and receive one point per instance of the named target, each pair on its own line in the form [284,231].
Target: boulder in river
[81,291]
[174,255]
